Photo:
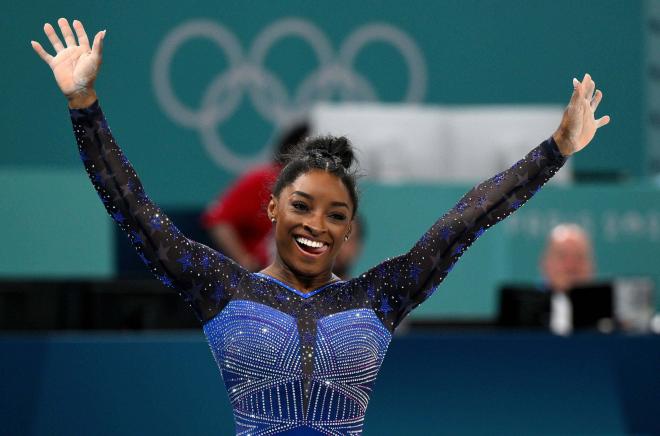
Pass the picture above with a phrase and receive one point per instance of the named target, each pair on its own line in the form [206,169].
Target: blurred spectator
[567,262]
[237,221]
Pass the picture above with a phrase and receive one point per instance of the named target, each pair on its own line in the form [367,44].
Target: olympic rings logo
[246,74]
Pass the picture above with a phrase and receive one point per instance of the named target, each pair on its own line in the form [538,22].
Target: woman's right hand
[75,66]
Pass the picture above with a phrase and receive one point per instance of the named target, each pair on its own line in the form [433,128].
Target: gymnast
[298,348]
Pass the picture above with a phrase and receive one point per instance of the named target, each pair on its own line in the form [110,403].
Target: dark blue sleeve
[400,284]
[203,277]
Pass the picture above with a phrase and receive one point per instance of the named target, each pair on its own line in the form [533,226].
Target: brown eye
[299,205]
[338,216]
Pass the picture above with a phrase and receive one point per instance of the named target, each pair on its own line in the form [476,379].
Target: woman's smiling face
[313,216]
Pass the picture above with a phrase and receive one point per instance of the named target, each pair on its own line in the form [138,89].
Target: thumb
[602,121]
[41,52]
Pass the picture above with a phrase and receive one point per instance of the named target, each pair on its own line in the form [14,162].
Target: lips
[310,246]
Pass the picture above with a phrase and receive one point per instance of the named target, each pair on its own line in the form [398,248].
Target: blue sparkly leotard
[296,363]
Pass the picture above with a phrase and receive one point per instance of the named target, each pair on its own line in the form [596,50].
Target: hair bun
[337,148]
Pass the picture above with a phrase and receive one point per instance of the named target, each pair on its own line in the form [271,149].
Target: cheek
[281,231]
[338,245]
[339,233]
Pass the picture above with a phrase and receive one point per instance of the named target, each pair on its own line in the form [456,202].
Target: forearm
[111,173]
[398,285]
[196,271]
[487,204]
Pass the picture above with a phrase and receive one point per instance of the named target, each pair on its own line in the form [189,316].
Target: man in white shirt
[567,262]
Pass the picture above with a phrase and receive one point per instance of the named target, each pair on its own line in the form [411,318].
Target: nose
[315,225]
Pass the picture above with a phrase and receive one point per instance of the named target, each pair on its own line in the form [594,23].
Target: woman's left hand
[578,125]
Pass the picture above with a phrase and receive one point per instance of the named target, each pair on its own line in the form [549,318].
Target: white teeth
[309,243]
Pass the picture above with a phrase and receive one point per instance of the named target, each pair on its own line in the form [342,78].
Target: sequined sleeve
[400,284]
[202,276]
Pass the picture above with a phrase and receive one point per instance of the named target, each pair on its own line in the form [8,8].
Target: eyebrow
[310,197]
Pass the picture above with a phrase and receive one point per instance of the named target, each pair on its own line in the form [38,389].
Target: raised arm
[398,285]
[204,278]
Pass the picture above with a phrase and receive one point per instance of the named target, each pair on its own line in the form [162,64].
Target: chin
[310,268]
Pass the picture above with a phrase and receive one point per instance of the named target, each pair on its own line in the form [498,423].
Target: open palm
[579,124]
[75,64]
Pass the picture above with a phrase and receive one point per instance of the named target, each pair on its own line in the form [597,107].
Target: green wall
[53,225]
[623,221]
[476,52]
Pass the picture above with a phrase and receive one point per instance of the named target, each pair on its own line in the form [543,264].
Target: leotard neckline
[294,290]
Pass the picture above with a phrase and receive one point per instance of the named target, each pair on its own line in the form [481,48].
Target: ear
[272,208]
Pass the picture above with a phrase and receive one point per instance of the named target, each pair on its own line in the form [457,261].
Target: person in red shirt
[237,220]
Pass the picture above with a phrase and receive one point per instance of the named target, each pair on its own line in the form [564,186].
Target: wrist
[563,143]
[82,99]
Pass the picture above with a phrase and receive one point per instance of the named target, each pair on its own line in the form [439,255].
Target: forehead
[321,185]
[570,243]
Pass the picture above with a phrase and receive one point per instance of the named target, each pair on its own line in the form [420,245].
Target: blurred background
[436,97]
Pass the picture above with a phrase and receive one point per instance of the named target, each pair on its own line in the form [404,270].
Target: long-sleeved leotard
[293,362]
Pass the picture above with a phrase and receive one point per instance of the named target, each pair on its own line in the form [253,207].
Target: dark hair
[289,139]
[327,153]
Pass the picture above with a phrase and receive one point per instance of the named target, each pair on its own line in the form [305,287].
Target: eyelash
[302,207]
[298,205]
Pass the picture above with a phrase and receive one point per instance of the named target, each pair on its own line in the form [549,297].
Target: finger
[590,85]
[41,52]
[602,121]
[598,96]
[592,88]
[97,45]
[53,38]
[80,33]
[66,32]
[577,91]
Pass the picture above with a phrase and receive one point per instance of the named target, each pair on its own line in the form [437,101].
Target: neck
[282,272]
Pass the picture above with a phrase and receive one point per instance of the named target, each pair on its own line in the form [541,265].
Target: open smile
[311,247]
